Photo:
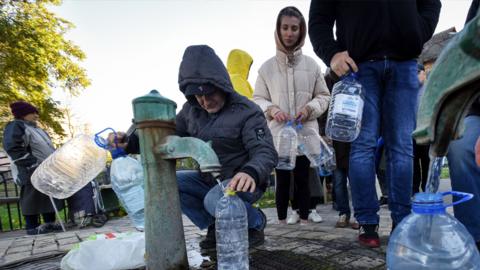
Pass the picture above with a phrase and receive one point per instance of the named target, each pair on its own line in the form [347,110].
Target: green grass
[445,173]
[267,200]
[14,214]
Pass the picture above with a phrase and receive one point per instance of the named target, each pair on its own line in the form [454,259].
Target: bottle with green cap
[231,232]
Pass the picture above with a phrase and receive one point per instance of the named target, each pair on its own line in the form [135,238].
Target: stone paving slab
[329,247]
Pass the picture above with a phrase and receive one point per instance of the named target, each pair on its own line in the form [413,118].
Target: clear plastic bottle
[430,238]
[345,110]
[70,167]
[287,147]
[127,182]
[327,168]
[231,233]
[313,146]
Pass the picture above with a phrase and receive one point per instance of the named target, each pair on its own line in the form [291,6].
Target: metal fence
[10,214]
[11,217]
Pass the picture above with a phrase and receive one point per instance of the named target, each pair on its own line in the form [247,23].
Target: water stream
[433,180]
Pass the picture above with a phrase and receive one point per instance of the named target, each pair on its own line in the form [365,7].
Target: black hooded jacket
[239,132]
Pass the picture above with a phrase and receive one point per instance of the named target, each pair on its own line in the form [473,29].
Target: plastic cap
[428,203]
[230,192]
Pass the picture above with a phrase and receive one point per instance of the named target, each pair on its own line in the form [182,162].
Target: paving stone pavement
[326,246]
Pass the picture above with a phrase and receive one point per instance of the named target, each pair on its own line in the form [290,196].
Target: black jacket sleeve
[429,11]
[16,147]
[181,124]
[320,29]
[133,146]
[258,141]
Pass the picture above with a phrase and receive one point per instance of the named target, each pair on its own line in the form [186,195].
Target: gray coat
[27,146]
[239,132]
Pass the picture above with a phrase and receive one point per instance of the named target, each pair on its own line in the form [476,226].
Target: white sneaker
[294,218]
[315,217]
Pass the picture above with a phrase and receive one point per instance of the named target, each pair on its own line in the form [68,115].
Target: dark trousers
[421,163]
[33,221]
[302,191]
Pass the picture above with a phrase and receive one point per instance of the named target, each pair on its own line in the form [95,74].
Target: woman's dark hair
[291,11]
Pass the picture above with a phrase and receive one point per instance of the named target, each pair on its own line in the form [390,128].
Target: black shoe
[210,240]
[53,227]
[255,238]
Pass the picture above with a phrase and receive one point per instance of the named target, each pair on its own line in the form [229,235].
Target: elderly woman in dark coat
[27,146]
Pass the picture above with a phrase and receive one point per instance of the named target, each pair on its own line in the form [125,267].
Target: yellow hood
[238,67]
[239,62]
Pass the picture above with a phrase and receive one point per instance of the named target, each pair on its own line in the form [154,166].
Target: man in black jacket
[240,137]
[380,40]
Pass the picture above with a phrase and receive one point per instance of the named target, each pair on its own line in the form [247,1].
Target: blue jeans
[465,175]
[391,91]
[341,191]
[198,200]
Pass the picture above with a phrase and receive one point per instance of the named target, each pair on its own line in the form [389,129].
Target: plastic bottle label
[347,105]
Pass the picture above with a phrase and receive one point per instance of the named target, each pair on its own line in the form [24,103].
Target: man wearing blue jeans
[380,40]
[240,137]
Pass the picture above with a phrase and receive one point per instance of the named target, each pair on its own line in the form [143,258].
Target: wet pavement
[312,246]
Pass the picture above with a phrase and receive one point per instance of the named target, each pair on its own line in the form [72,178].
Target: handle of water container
[464,197]
[100,141]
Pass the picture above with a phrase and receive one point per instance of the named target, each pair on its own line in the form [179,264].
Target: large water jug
[70,167]
[345,110]
[313,146]
[430,238]
[287,147]
[126,174]
[231,232]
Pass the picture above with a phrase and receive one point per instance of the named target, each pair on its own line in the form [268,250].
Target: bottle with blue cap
[430,238]
[345,110]
[287,147]
[71,167]
[126,175]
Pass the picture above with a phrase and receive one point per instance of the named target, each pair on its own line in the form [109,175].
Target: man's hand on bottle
[120,141]
[242,182]
[341,63]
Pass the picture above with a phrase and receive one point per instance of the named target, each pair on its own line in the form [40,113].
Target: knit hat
[22,108]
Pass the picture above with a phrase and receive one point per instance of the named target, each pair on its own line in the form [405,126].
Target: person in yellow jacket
[238,67]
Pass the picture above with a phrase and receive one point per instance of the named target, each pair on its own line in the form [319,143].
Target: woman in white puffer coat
[290,86]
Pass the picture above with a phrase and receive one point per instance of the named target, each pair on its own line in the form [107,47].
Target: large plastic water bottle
[70,167]
[313,146]
[287,147]
[430,238]
[345,110]
[126,175]
[231,232]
